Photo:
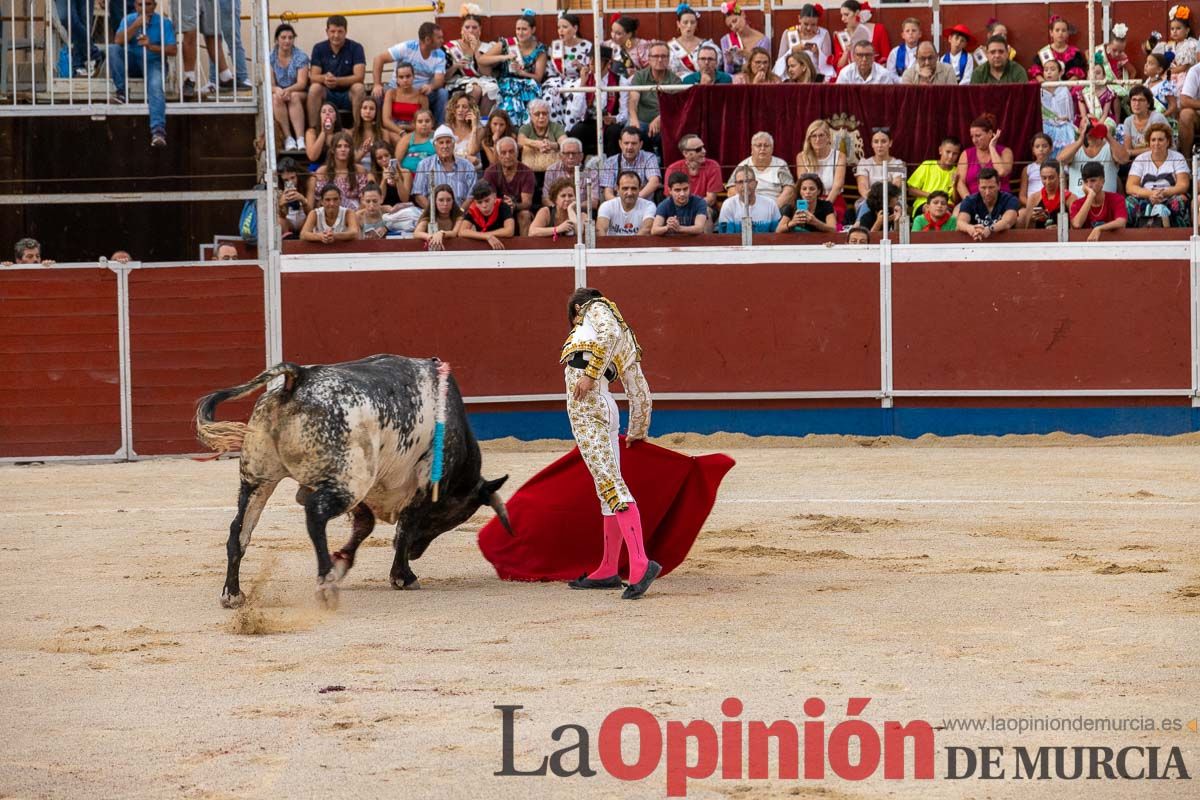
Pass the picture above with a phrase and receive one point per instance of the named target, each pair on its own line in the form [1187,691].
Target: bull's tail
[490,497]
[226,436]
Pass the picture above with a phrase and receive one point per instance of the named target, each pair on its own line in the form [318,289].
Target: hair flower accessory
[469,10]
[820,9]
[864,12]
[528,13]
[1179,12]
[684,8]
[1119,30]
[731,7]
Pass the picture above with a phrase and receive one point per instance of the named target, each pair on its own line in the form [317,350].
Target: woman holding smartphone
[295,195]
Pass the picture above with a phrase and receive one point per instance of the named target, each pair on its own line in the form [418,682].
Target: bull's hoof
[327,592]
[399,584]
[232,600]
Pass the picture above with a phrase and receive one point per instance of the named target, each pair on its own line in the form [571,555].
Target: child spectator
[904,54]
[682,212]
[935,214]
[485,218]
[1098,209]
[1031,176]
[1058,109]
[1044,206]
[936,174]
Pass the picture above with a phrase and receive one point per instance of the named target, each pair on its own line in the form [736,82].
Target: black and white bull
[357,437]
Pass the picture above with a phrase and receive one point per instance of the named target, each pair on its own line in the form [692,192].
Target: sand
[1018,577]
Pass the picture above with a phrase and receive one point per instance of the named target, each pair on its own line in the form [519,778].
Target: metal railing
[49,66]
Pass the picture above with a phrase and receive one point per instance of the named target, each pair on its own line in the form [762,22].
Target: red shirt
[707,180]
[1112,208]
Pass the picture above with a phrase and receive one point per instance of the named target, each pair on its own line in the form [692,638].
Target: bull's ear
[491,486]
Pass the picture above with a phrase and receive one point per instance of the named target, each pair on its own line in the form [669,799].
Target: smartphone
[392,163]
[801,205]
[289,186]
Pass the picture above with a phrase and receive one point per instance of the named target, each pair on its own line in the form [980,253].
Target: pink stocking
[630,522]
[612,550]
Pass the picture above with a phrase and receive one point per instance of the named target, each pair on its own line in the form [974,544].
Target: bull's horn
[497,505]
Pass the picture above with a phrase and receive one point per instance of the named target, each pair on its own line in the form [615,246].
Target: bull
[358,438]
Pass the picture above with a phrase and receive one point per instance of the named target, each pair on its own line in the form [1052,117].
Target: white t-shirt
[1033,176]
[1191,83]
[763,212]
[894,170]
[1162,176]
[622,222]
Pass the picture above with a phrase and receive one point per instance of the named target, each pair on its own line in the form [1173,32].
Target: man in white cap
[443,167]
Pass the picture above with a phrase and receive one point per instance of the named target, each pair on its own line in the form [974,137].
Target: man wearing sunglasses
[703,173]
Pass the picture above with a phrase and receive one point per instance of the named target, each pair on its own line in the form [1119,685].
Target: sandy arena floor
[961,579]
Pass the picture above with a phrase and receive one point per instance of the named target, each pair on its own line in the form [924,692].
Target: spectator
[989,211]
[231,35]
[445,167]
[994,28]
[463,118]
[523,68]
[1031,176]
[807,37]
[643,104]
[540,137]
[812,213]
[775,180]
[370,214]
[629,213]
[865,69]
[1095,143]
[514,182]
[1098,209]
[703,173]
[318,137]
[1043,206]
[332,222]
[904,55]
[485,218]
[1060,49]
[340,169]
[630,52]
[1158,184]
[413,150]
[1189,109]
[289,68]
[615,109]
[744,202]
[685,48]
[429,67]
[880,166]
[1162,88]
[985,152]
[926,70]
[559,218]
[498,126]
[28,251]
[1058,112]
[144,37]
[1180,44]
[75,19]
[998,68]
[121,257]
[368,132]
[958,56]
[936,174]
[569,65]
[295,186]
[870,213]
[435,232]
[758,70]
[1142,115]
[336,70]
[858,28]
[682,213]
[707,73]
[1098,106]
[820,156]
[798,68]
[571,156]
[741,39]
[227,252]
[935,214]
[467,69]
[385,173]
[858,235]
[184,16]
[402,101]
[1116,61]
[632,158]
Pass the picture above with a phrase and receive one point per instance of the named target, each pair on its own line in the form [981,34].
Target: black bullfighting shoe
[635,590]
[584,582]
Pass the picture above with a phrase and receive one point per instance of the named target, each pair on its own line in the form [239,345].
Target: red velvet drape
[919,116]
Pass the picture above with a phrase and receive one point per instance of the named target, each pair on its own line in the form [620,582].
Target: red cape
[559,533]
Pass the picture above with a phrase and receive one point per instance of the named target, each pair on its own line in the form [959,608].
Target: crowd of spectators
[488,127]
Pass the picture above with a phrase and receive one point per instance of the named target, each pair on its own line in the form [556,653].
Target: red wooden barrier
[1057,325]
[192,330]
[59,363]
